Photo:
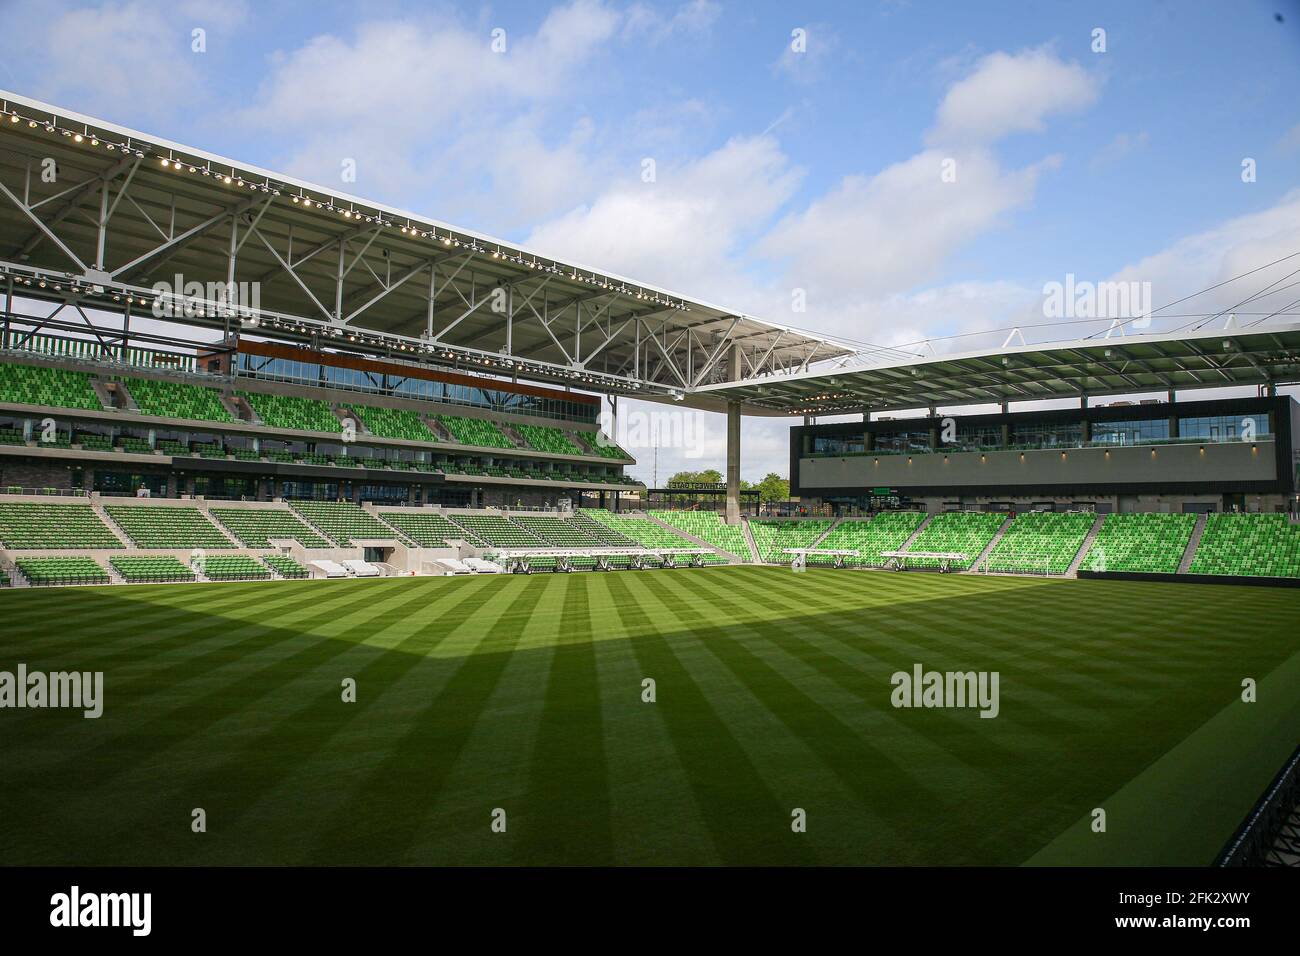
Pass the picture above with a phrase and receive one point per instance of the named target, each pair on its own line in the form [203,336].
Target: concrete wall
[1229,462]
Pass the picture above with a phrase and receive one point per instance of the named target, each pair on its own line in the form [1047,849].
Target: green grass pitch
[525,694]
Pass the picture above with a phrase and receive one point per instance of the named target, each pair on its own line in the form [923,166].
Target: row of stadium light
[350,212]
[201,309]
[236,179]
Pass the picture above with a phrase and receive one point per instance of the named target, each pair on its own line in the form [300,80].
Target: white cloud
[1215,255]
[882,234]
[1011,93]
[685,229]
[136,53]
[806,58]
[692,19]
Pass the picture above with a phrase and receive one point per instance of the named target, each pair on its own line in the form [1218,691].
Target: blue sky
[776,169]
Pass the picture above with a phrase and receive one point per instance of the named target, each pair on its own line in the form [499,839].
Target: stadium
[321,488]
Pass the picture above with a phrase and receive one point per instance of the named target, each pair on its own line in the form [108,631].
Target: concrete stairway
[97,506]
[825,534]
[1192,544]
[754,554]
[700,542]
[917,533]
[1089,538]
[988,549]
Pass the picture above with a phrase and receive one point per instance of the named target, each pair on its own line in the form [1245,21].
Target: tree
[773,488]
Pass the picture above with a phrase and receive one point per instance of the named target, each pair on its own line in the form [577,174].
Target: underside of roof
[1268,355]
[102,212]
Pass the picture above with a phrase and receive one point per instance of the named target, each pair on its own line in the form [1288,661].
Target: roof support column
[733,462]
[733,444]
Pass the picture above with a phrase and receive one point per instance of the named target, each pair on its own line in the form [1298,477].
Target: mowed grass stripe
[568,805]
[236,682]
[654,815]
[422,757]
[746,821]
[306,748]
[112,619]
[762,691]
[882,784]
[491,769]
[865,675]
[191,648]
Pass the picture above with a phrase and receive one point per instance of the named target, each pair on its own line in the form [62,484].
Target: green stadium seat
[166,399]
[1252,545]
[772,537]
[290,411]
[887,531]
[255,527]
[31,526]
[53,387]
[431,530]
[962,532]
[548,439]
[604,446]
[557,532]
[234,567]
[167,526]
[51,571]
[394,423]
[474,431]
[1151,543]
[343,521]
[641,532]
[284,566]
[498,532]
[1040,542]
[139,569]
[708,526]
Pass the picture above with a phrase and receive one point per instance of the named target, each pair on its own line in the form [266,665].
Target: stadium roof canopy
[92,215]
[95,218]
[1123,364]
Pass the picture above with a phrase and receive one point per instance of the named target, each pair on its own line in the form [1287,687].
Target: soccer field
[525,694]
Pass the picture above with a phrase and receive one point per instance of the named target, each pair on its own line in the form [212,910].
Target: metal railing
[1270,821]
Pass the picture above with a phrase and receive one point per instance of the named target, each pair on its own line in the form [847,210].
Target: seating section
[709,526]
[604,446]
[644,533]
[394,423]
[284,566]
[430,530]
[341,522]
[962,532]
[56,387]
[548,439]
[290,411]
[887,531]
[255,527]
[139,569]
[234,567]
[44,572]
[773,537]
[92,442]
[1140,542]
[32,525]
[557,531]
[499,532]
[1040,542]
[177,400]
[167,527]
[603,533]
[1266,545]
[475,431]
